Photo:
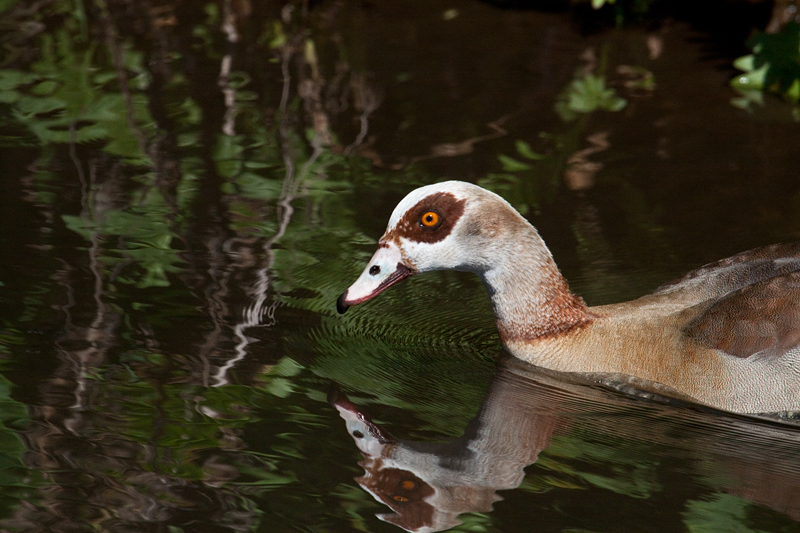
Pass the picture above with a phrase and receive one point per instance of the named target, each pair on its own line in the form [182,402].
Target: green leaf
[11,79]
[524,149]
[754,79]
[745,63]
[280,387]
[793,92]
[511,164]
[9,96]
[747,98]
[586,95]
[287,367]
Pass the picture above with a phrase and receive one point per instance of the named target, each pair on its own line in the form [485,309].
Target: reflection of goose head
[388,480]
[428,485]
[369,437]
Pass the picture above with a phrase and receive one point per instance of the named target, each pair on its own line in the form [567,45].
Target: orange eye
[399,498]
[430,219]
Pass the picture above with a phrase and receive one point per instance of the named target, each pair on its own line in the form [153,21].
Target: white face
[430,229]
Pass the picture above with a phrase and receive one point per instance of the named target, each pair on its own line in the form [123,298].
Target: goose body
[726,335]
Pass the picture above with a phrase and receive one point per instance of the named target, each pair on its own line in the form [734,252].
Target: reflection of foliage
[64,96]
[526,183]
[16,479]
[184,421]
[411,380]
[623,471]
[586,95]
[722,514]
[774,64]
[529,182]
[10,337]
[145,240]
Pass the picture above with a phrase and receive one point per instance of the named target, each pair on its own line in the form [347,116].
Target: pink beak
[385,269]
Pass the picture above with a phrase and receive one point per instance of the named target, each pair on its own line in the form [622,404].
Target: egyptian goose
[726,335]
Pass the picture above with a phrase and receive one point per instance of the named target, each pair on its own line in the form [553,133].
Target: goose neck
[530,297]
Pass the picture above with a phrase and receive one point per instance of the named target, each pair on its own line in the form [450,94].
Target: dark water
[187,188]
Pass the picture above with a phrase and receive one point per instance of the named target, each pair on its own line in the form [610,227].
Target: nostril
[374,270]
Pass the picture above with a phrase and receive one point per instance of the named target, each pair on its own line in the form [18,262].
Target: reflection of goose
[428,485]
[725,335]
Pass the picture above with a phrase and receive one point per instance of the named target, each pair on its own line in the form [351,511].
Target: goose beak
[384,270]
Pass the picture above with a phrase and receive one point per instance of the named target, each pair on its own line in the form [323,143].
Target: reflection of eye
[399,498]
[430,219]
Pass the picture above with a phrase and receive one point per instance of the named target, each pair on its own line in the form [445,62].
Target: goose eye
[430,220]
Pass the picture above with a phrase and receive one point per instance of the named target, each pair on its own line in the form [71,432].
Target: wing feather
[722,277]
[760,318]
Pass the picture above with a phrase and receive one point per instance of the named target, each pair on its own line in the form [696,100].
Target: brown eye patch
[430,220]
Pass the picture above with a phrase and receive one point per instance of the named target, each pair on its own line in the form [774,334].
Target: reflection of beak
[384,270]
[368,436]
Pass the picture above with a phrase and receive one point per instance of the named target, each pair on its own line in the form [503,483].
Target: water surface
[188,188]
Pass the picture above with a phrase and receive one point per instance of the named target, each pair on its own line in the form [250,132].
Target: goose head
[428,230]
[455,226]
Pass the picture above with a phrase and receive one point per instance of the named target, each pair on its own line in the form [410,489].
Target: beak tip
[341,304]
